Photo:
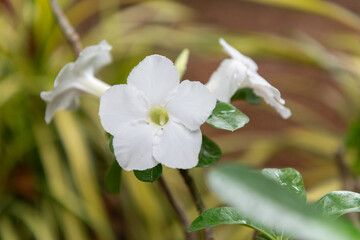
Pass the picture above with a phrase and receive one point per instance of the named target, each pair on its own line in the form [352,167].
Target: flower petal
[178,147]
[65,100]
[270,94]
[192,104]
[92,58]
[157,77]
[121,104]
[133,146]
[238,56]
[224,82]
[66,75]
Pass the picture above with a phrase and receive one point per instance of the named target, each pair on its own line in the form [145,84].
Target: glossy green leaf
[226,215]
[182,61]
[246,94]
[226,116]
[111,143]
[113,178]
[265,202]
[149,175]
[210,153]
[338,203]
[288,178]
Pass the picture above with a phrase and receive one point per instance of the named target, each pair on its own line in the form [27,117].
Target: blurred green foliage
[51,176]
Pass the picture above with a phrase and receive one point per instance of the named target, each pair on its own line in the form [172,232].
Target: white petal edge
[270,94]
[121,104]
[157,77]
[67,100]
[224,82]
[192,104]
[235,54]
[133,146]
[66,76]
[94,57]
[178,147]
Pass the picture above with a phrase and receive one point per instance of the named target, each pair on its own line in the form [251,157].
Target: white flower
[154,119]
[76,78]
[241,72]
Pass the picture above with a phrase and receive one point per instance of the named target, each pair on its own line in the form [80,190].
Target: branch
[197,199]
[343,169]
[181,215]
[68,31]
[349,183]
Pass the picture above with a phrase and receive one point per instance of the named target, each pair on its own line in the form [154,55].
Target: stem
[95,86]
[343,169]
[69,32]
[179,212]
[190,183]
[349,183]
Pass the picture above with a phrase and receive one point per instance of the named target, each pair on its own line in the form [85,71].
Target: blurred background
[51,176]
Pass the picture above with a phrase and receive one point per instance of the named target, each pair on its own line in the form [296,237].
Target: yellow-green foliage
[51,176]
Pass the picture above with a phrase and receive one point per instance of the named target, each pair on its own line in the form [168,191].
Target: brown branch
[179,212]
[190,183]
[68,31]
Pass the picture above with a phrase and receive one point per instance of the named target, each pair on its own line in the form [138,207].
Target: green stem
[195,194]
[179,212]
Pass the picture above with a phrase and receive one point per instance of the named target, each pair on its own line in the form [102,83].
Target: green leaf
[210,153]
[111,143]
[262,236]
[113,178]
[246,94]
[149,175]
[338,203]
[265,202]
[226,215]
[226,116]
[288,178]
[181,61]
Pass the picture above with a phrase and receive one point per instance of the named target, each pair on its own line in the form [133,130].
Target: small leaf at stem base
[149,175]
[210,153]
[113,178]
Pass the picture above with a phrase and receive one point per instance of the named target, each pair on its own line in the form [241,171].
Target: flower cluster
[241,72]
[76,78]
[154,118]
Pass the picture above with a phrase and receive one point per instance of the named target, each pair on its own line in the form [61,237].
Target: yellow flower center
[159,116]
